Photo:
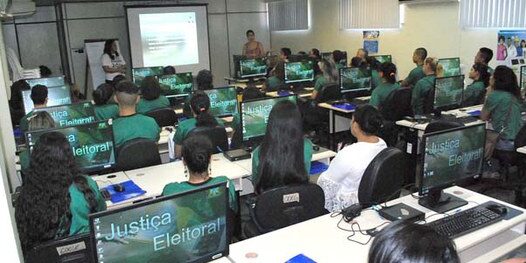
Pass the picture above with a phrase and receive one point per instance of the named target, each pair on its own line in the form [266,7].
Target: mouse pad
[131,190]
[318,167]
[345,106]
[511,211]
[474,113]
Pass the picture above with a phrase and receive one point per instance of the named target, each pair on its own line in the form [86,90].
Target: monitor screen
[451,66]
[58,95]
[138,74]
[383,58]
[48,82]
[355,79]
[255,113]
[177,85]
[252,67]
[186,227]
[451,155]
[92,144]
[299,71]
[71,114]
[523,78]
[448,92]
[223,101]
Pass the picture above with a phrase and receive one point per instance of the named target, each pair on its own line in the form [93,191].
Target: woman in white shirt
[341,181]
[112,62]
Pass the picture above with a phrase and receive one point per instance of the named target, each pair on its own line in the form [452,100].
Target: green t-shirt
[24,122]
[24,159]
[273,83]
[80,209]
[105,112]
[320,82]
[420,91]
[174,188]
[375,79]
[381,93]
[135,126]
[307,156]
[185,127]
[473,92]
[505,113]
[415,75]
[145,106]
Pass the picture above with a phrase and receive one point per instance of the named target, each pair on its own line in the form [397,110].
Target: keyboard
[465,222]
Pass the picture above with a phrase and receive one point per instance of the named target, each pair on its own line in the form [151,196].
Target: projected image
[72,114]
[254,115]
[448,91]
[383,58]
[176,85]
[252,67]
[169,39]
[59,95]
[180,229]
[223,101]
[138,74]
[48,82]
[299,71]
[354,79]
[451,66]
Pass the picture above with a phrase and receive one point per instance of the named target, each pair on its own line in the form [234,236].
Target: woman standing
[112,62]
[253,48]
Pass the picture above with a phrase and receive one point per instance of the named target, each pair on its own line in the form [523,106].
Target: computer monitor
[71,114]
[176,85]
[451,66]
[523,78]
[237,69]
[48,82]
[448,93]
[138,74]
[58,95]
[255,67]
[191,226]
[92,144]
[302,71]
[383,58]
[255,113]
[354,79]
[223,101]
[449,156]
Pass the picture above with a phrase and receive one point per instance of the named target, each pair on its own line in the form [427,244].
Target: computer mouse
[316,147]
[499,209]
[119,188]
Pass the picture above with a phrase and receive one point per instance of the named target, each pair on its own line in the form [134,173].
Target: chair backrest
[217,135]
[74,249]
[397,105]
[429,101]
[520,139]
[287,205]
[383,178]
[137,153]
[475,100]
[330,91]
[163,117]
[441,125]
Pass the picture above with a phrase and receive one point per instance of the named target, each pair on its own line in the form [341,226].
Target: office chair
[163,117]
[396,107]
[383,178]
[216,134]
[283,206]
[329,92]
[137,153]
[429,101]
[73,249]
[475,100]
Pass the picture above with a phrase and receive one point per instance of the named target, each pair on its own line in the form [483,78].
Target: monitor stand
[441,202]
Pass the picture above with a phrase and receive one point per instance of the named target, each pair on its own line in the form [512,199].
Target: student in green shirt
[329,75]
[276,79]
[130,124]
[425,85]
[55,199]
[104,109]
[387,71]
[39,121]
[419,56]
[484,56]
[39,98]
[373,65]
[204,81]
[284,156]
[151,98]
[475,92]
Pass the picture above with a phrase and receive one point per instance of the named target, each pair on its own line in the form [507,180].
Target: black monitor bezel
[459,64]
[48,88]
[345,91]
[60,76]
[298,81]
[253,75]
[237,103]
[177,95]
[133,75]
[68,105]
[451,106]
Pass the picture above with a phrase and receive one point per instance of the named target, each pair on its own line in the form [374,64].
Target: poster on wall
[511,47]
[370,41]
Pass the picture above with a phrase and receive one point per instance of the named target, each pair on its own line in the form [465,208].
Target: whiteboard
[94,50]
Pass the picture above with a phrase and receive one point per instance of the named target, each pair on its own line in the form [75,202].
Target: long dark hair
[102,94]
[200,104]
[150,88]
[196,152]
[389,71]
[107,48]
[506,80]
[42,209]
[484,75]
[281,159]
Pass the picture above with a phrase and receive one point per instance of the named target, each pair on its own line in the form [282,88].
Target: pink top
[501,52]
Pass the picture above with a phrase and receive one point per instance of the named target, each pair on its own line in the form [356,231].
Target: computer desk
[308,94]
[306,237]
[343,122]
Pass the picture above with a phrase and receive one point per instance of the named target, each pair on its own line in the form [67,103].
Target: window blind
[288,15]
[369,14]
[493,13]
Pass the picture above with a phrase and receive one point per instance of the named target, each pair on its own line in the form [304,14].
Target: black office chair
[441,125]
[396,107]
[163,117]
[384,177]
[475,100]
[429,101]
[216,134]
[284,206]
[74,249]
[329,92]
[137,153]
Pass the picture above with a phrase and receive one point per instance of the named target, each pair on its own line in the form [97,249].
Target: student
[112,62]
[45,72]
[169,70]
[39,98]
[151,98]
[403,241]
[102,97]
[16,102]
[484,56]
[339,59]
[130,124]
[474,93]
[387,72]
[374,65]
[253,48]
[118,79]
[424,85]
[329,75]
[502,50]
[200,106]
[204,80]
[284,156]
[419,56]
[315,54]
[357,62]
[362,53]
[276,79]
[55,199]
[284,54]
[341,181]
[39,121]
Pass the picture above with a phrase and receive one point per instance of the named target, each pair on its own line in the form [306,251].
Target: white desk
[301,95]
[306,237]
[164,136]
[522,149]
[421,127]
[340,122]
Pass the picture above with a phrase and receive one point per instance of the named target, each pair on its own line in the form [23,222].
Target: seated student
[362,53]
[387,72]
[151,98]
[503,107]
[402,241]
[130,124]
[419,56]
[375,76]
[315,54]
[55,199]
[484,56]
[102,97]
[117,80]
[338,57]
[329,75]
[474,93]
[39,98]
[200,106]
[45,72]
[284,54]
[341,181]
[284,156]
[204,81]
[357,62]
[16,102]
[169,70]
[39,121]
[276,79]
[424,85]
